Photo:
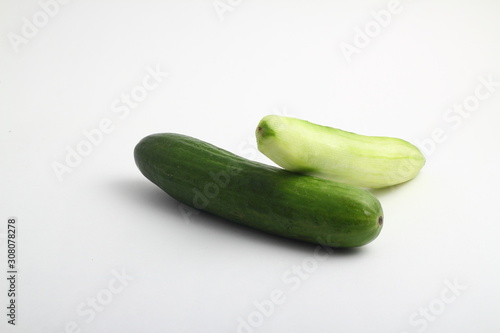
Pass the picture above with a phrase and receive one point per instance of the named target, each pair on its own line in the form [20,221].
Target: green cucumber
[365,161]
[257,195]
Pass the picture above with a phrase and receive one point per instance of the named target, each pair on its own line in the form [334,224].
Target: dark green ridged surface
[271,199]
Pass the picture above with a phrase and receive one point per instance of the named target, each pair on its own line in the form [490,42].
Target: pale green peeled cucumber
[365,161]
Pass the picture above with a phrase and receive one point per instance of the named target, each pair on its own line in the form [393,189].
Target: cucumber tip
[380,220]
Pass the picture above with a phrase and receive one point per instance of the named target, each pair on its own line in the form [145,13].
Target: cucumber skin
[257,195]
[365,161]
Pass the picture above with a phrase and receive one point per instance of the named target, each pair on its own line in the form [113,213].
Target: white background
[434,267]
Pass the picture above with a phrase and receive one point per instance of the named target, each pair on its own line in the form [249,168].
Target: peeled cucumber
[365,161]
